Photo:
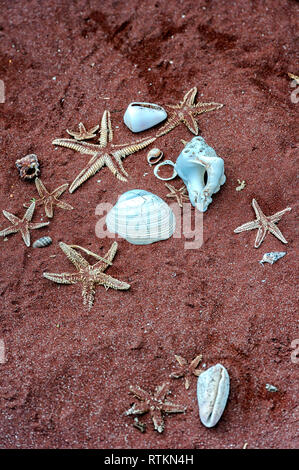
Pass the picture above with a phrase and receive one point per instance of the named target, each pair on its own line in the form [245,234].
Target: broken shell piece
[212,394]
[141,217]
[42,242]
[154,156]
[272,257]
[271,388]
[141,116]
[28,166]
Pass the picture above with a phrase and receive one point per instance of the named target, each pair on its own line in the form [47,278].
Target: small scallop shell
[212,394]
[154,156]
[141,217]
[42,242]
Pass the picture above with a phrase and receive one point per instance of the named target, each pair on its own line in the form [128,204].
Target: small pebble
[271,388]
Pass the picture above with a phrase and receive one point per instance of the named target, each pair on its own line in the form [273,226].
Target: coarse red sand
[67,373]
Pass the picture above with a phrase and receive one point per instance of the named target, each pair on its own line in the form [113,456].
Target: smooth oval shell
[42,242]
[212,394]
[141,218]
[141,116]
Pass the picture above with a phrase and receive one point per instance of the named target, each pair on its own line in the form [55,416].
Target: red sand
[66,380]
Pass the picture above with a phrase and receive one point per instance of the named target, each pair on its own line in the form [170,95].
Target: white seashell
[141,116]
[154,156]
[272,257]
[212,394]
[42,242]
[141,218]
[201,170]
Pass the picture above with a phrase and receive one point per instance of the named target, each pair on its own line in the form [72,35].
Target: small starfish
[156,404]
[103,153]
[83,134]
[264,224]
[22,225]
[50,199]
[89,275]
[186,370]
[179,194]
[186,111]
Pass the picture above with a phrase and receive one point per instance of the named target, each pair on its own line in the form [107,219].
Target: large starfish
[22,225]
[83,134]
[50,199]
[187,370]
[103,153]
[185,112]
[88,275]
[155,403]
[264,224]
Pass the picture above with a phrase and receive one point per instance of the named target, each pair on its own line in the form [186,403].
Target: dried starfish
[22,225]
[186,111]
[103,153]
[179,194]
[89,275]
[83,134]
[186,370]
[264,224]
[156,404]
[50,199]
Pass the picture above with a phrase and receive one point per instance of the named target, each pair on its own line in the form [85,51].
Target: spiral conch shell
[212,394]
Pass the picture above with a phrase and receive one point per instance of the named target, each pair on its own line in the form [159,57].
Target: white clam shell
[141,218]
[212,394]
[141,116]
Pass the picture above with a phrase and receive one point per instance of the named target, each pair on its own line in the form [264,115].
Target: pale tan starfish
[83,134]
[185,113]
[22,225]
[264,224]
[156,404]
[187,370]
[103,153]
[179,194]
[88,275]
[50,199]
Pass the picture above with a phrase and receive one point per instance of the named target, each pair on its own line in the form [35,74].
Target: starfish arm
[138,409]
[60,190]
[177,374]
[248,226]
[88,292]
[258,211]
[276,232]
[38,202]
[63,278]
[276,217]
[110,282]
[190,96]
[35,225]
[41,189]
[49,208]
[169,407]
[105,128]
[11,217]
[8,231]
[191,123]
[88,252]
[200,108]
[187,383]
[195,362]
[84,147]
[262,232]
[73,256]
[162,391]
[132,148]
[95,164]
[171,188]
[171,123]
[64,205]
[109,256]
[109,163]
[157,420]
[181,360]
[29,213]
[25,235]
[139,393]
